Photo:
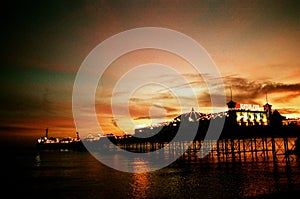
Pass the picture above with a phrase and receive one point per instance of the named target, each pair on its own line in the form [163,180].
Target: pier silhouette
[250,133]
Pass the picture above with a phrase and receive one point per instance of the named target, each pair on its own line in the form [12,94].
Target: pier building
[236,115]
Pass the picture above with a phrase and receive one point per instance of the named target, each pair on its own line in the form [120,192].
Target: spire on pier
[46,132]
[268,108]
[231,104]
[230,93]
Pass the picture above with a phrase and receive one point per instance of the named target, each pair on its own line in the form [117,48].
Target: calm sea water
[28,173]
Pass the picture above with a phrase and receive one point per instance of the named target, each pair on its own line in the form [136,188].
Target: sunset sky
[255,45]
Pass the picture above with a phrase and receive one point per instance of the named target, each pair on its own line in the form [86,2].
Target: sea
[30,173]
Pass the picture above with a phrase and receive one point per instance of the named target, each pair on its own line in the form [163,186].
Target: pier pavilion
[236,115]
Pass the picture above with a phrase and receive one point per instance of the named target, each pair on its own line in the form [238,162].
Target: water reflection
[141,179]
[141,185]
[253,174]
[37,162]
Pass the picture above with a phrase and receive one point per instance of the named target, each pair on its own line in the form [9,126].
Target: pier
[276,150]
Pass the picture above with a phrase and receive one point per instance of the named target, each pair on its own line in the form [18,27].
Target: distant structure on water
[63,143]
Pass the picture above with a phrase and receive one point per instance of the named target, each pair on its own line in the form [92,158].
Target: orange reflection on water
[141,179]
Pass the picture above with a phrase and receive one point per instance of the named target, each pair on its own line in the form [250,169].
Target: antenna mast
[230,93]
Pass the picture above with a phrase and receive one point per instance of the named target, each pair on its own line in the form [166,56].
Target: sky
[254,44]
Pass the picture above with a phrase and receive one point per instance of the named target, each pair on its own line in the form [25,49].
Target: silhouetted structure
[241,120]
[60,143]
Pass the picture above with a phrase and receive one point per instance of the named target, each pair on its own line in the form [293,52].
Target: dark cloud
[289,111]
[157,117]
[154,97]
[6,129]
[280,87]
[167,108]
[253,91]
[114,122]
[159,112]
